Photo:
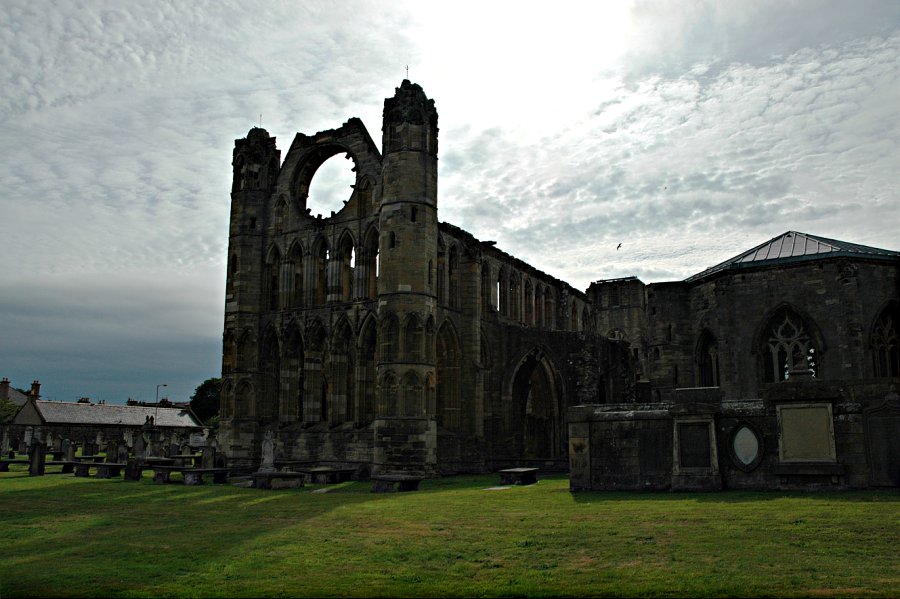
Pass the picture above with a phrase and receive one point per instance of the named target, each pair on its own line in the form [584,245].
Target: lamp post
[156,417]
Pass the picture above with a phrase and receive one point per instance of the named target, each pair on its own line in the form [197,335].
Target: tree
[205,400]
[7,411]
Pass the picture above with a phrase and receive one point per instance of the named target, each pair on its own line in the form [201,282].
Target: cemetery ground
[85,537]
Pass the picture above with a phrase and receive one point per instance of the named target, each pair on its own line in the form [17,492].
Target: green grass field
[73,537]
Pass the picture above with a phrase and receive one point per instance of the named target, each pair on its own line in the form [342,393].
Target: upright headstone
[4,440]
[121,453]
[36,458]
[112,451]
[68,449]
[268,452]
[209,452]
[140,447]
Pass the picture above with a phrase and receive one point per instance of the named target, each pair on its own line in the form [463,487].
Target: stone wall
[800,435]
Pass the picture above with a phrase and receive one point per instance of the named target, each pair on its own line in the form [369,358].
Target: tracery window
[788,348]
[886,344]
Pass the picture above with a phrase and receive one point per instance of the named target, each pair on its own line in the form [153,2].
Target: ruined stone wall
[636,447]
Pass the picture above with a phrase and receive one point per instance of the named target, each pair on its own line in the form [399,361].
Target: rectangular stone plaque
[805,433]
[693,445]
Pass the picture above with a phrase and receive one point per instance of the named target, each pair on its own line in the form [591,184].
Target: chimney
[35,390]
[4,388]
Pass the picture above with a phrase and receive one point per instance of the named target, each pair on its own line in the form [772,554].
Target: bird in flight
[618,246]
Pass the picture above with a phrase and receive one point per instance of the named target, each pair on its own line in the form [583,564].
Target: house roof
[61,412]
[17,397]
[794,246]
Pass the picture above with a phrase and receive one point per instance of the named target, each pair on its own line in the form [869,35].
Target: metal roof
[60,412]
[794,246]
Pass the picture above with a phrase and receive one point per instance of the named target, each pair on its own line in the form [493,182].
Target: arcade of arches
[379,338]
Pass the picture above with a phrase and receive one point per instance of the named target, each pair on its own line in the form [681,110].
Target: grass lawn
[67,536]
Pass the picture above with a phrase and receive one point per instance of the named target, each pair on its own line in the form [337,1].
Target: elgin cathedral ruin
[381,339]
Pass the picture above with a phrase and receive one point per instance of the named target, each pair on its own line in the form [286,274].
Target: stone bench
[292,465]
[189,474]
[194,476]
[67,467]
[518,476]
[263,479]
[324,475]
[4,464]
[387,483]
[104,469]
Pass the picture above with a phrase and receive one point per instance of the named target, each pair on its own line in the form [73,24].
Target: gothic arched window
[788,347]
[707,361]
[886,344]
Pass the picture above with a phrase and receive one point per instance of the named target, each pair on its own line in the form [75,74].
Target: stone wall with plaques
[800,435]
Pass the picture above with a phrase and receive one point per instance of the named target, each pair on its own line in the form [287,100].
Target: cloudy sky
[687,131]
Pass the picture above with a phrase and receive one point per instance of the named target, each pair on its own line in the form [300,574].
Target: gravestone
[112,451]
[140,447]
[268,453]
[36,459]
[121,453]
[68,449]
[209,452]
[133,469]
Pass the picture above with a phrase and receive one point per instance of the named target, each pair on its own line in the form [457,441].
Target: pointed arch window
[295,271]
[788,347]
[486,304]
[707,361]
[273,267]
[346,264]
[453,272]
[412,339]
[885,343]
[319,260]
[389,338]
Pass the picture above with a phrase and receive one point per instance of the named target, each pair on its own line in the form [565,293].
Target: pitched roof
[61,412]
[17,397]
[794,246]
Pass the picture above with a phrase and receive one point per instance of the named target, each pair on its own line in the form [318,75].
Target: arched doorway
[535,400]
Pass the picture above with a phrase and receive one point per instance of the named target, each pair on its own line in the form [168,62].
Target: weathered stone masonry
[379,338]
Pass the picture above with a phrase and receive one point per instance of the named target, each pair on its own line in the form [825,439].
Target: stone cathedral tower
[407,283]
[329,321]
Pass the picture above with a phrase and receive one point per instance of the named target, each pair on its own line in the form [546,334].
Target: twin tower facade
[378,338]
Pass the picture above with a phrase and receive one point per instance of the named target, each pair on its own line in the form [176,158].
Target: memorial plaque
[693,445]
[805,433]
[745,445]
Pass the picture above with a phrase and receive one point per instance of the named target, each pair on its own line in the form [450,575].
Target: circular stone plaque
[745,445]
